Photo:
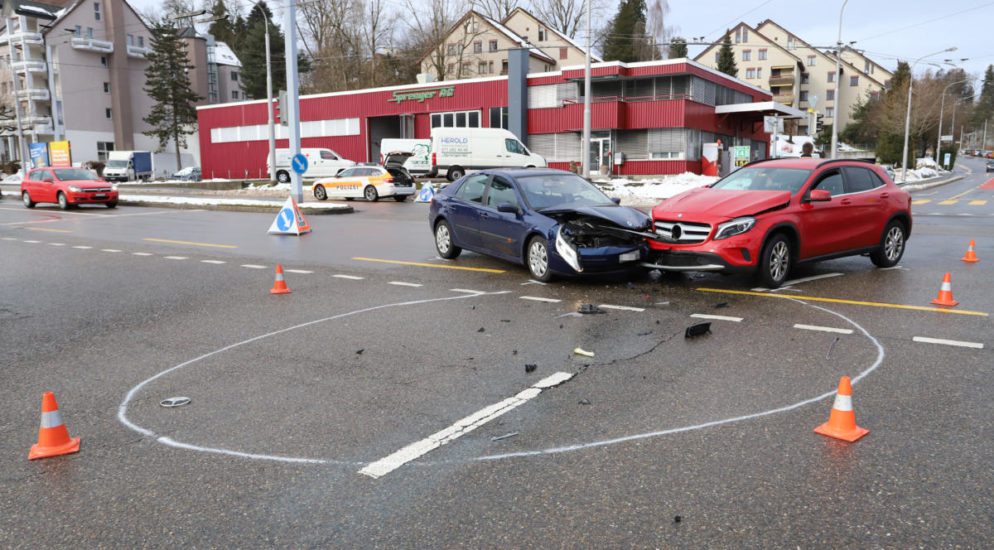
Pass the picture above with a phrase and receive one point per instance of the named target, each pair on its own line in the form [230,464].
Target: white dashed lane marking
[717,317]
[466,291]
[142,254]
[109,250]
[254,266]
[539,299]
[622,308]
[300,271]
[33,242]
[823,329]
[82,247]
[213,262]
[175,257]
[57,244]
[8,238]
[402,283]
[348,277]
[943,342]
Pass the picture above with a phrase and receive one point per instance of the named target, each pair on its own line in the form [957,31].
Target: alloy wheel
[779,261]
[538,259]
[443,240]
[894,243]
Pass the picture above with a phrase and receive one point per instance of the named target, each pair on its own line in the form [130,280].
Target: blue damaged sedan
[553,222]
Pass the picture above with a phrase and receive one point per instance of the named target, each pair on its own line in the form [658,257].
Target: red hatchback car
[67,187]
[768,216]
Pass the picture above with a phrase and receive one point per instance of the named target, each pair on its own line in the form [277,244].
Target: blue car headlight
[735,227]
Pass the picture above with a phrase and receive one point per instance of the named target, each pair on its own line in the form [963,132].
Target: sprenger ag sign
[422,95]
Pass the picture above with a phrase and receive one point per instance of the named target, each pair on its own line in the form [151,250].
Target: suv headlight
[113,187]
[737,226]
[74,188]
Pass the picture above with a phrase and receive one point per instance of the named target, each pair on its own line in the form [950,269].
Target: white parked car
[369,182]
[456,151]
[321,163]
[414,155]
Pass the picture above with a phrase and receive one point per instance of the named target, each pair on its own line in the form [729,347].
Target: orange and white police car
[369,182]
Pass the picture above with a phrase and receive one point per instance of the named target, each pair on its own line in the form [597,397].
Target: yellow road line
[921,201]
[438,266]
[948,202]
[190,243]
[48,230]
[843,301]
[978,202]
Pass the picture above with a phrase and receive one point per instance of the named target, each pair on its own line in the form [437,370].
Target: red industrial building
[658,114]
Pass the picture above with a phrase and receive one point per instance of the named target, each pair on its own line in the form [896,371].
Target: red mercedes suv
[770,215]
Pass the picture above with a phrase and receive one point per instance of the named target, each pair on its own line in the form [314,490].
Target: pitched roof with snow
[223,55]
[595,58]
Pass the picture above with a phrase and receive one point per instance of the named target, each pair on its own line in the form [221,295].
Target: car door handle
[884,195]
[845,202]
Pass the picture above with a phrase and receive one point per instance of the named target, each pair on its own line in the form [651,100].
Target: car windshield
[762,178]
[561,190]
[117,163]
[70,174]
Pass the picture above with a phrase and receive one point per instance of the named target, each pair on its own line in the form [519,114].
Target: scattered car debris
[530,367]
[481,330]
[646,333]
[514,352]
[505,436]
[832,347]
[175,402]
[722,305]
[359,351]
[570,314]
[699,329]
[583,352]
[589,309]
[584,402]
[655,275]
[677,519]
[505,320]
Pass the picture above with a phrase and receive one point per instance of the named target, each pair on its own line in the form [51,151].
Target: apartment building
[219,79]
[801,75]
[77,71]
[478,45]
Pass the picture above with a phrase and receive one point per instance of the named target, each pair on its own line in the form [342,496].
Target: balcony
[30,66]
[35,94]
[784,99]
[26,37]
[138,51]
[782,80]
[37,120]
[92,44]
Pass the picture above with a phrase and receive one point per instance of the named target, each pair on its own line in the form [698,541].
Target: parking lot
[397,399]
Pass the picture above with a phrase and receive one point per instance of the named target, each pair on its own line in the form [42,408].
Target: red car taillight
[389,180]
[434,159]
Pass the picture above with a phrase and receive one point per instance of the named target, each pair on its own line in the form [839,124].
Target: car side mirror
[507,208]
[616,200]
[818,195]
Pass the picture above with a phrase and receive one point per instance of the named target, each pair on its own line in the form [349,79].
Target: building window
[830,95]
[717,55]
[746,55]
[541,34]
[493,45]
[96,11]
[811,61]
[450,69]
[131,40]
[563,52]
[141,41]
[465,67]
[78,31]
[478,46]
[490,67]
[503,66]
[104,147]
[750,73]
[456,119]
[498,117]
[107,113]
[762,54]
[805,78]
[804,96]
[451,49]
[234,94]
[103,60]
[759,72]
[106,87]
[482,68]
[745,34]
[89,32]
[854,80]
[829,111]
[791,43]
[234,76]
[867,67]
[831,76]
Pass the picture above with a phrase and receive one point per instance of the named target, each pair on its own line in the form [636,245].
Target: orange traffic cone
[970,255]
[279,287]
[842,420]
[53,437]
[945,297]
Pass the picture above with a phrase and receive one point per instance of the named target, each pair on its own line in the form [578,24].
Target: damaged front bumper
[601,259]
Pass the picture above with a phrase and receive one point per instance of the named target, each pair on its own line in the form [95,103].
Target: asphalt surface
[656,441]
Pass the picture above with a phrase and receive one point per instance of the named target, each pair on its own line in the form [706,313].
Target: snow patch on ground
[220,201]
[650,191]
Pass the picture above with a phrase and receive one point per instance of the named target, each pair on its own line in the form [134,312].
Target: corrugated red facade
[241,159]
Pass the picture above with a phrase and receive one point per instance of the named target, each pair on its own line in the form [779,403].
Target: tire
[443,241]
[452,174]
[400,198]
[63,201]
[111,204]
[892,244]
[320,193]
[283,176]
[775,261]
[370,194]
[537,259]
[27,200]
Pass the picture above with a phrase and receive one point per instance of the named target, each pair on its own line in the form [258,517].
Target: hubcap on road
[538,259]
[894,243]
[442,238]
[778,261]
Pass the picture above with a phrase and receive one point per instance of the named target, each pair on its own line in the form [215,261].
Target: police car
[369,182]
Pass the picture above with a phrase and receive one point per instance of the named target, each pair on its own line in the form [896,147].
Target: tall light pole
[269,105]
[907,116]
[585,152]
[838,85]
[292,94]
[942,105]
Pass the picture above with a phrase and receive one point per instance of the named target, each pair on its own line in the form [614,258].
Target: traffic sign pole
[292,108]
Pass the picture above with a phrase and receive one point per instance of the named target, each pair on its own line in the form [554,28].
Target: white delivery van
[321,163]
[456,151]
[414,155]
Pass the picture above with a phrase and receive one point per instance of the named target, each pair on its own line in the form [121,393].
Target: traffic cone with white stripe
[945,297]
[971,255]
[53,437]
[279,287]
[842,420]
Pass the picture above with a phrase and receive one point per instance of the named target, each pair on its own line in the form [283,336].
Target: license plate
[629,256]
[100,196]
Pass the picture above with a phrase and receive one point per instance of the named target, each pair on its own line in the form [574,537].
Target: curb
[920,186]
[264,209]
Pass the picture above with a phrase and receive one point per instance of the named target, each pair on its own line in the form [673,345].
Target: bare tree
[448,50]
[495,9]
[656,29]
[567,16]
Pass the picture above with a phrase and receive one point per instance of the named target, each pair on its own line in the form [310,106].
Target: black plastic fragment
[699,329]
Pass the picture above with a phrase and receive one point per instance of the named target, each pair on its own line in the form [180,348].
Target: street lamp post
[907,115]
[942,106]
[585,153]
[838,85]
[269,105]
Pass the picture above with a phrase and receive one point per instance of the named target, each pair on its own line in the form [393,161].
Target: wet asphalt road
[715,431]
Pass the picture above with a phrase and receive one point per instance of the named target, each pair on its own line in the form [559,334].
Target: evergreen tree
[252,53]
[166,81]
[678,48]
[726,57]
[223,26]
[626,33]
[984,109]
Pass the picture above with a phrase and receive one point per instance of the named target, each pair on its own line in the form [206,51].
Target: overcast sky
[887,29]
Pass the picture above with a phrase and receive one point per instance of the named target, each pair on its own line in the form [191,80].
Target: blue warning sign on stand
[299,163]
